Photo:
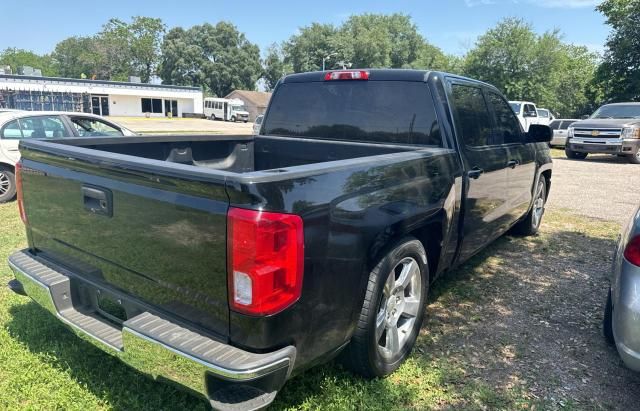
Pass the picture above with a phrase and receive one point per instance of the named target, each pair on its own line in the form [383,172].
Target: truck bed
[234,153]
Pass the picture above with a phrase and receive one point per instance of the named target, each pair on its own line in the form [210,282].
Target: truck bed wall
[236,153]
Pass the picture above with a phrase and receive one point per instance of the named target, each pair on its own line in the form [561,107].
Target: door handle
[97,200]
[475,173]
[513,163]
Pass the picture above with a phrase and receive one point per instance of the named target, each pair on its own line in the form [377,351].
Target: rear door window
[566,124]
[556,124]
[473,117]
[507,125]
[370,111]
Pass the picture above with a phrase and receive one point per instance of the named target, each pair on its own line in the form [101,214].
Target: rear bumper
[626,314]
[604,146]
[228,377]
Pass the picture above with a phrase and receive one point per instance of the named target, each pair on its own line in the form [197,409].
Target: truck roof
[380,75]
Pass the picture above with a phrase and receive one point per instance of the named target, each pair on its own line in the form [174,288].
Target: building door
[171,106]
[100,105]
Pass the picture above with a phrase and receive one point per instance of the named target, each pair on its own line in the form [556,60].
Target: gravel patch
[602,187]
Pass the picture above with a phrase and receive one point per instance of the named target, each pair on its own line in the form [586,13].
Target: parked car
[257,124]
[17,125]
[560,127]
[545,116]
[612,129]
[234,262]
[526,112]
[621,324]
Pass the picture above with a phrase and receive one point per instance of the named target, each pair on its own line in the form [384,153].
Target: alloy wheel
[399,307]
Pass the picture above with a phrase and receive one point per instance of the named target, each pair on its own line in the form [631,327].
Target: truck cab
[526,112]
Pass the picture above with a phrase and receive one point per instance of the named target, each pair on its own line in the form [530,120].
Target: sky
[452,25]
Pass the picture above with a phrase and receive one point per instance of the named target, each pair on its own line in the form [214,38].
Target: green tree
[274,66]
[619,73]
[305,50]
[527,66]
[218,58]
[75,56]
[145,41]
[15,58]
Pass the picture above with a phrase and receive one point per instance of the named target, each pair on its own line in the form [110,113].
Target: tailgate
[152,236]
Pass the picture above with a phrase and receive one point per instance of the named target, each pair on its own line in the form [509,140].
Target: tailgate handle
[97,200]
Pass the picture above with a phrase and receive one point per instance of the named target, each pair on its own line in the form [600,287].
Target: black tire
[530,224]
[363,354]
[635,158]
[212,117]
[607,322]
[233,119]
[7,184]
[574,155]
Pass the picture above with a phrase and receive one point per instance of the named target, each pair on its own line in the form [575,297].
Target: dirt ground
[525,315]
[144,125]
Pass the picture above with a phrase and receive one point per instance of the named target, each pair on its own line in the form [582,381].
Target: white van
[526,112]
[225,109]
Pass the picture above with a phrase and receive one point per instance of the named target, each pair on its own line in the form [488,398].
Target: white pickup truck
[526,112]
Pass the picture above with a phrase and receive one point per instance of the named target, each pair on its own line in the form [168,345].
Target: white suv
[18,125]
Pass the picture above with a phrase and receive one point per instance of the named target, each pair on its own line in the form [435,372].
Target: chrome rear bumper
[230,378]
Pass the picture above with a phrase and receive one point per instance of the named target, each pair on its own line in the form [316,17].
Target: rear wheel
[392,313]
[574,155]
[607,323]
[7,185]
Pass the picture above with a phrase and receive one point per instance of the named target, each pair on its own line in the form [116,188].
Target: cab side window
[507,126]
[473,117]
[530,111]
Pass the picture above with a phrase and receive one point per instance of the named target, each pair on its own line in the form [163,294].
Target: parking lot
[165,125]
[600,186]
[517,327]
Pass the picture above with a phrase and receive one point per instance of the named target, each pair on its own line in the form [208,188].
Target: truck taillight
[632,251]
[265,260]
[347,75]
[19,195]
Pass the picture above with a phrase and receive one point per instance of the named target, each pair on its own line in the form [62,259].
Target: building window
[151,105]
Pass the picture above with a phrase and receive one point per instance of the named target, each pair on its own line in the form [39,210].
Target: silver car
[559,127]
[621,323]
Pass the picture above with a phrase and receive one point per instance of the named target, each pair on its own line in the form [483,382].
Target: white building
[98,96]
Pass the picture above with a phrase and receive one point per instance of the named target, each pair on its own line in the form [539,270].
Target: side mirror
[538,133]
[586,116]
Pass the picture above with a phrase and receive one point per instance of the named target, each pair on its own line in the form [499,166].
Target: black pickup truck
[228,264]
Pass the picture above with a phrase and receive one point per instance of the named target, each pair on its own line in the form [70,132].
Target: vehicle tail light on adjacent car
[266,260]
[632,251]
[19,195]
[347,75]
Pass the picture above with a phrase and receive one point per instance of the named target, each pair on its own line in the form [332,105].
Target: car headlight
[631,132]
[570,132]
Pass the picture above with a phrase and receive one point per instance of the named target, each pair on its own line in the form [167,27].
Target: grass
[44,366]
